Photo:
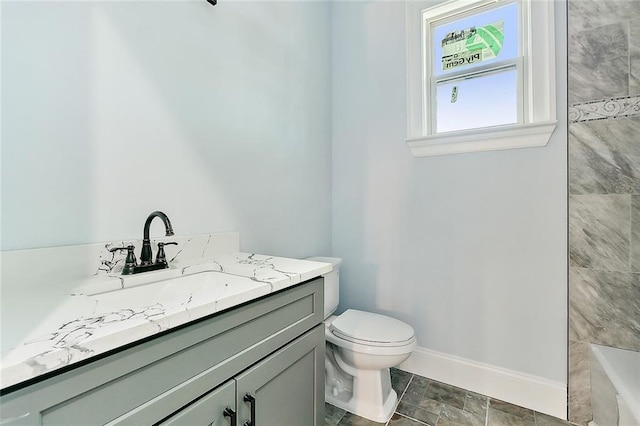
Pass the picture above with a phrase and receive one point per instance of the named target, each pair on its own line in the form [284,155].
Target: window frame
[537,112]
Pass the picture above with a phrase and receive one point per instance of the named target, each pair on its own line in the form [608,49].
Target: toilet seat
[373,330]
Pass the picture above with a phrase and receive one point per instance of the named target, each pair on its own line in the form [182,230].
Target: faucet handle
[130,262]
[161,257]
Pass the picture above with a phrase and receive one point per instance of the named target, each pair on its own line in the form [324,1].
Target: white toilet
[360,349]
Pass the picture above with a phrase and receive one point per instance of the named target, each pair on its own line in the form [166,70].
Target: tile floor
[427,402]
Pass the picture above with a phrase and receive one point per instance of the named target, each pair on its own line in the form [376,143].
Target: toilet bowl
[360,348]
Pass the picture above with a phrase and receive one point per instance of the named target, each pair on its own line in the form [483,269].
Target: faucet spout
[145,254]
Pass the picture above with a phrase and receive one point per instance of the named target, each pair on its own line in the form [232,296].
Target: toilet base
[371,397]
[380,414]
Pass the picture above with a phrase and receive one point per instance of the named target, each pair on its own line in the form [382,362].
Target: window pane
[489,99]
[479,39]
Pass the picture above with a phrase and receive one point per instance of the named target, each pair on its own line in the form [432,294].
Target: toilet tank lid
[334,261]
[367,326]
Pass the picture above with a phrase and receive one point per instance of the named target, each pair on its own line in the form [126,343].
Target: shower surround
[604,186]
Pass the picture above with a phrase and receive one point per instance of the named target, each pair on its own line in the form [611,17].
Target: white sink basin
[190,291]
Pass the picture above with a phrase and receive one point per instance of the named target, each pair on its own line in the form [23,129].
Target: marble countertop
[105,312]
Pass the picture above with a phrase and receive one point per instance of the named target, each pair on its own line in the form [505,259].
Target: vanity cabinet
[262,362]
[278,391]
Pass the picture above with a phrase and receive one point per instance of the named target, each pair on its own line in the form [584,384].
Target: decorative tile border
[605,109]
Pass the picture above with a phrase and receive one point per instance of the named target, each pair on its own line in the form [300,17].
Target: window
[481,75]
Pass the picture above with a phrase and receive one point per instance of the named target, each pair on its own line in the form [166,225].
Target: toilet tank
[331,284]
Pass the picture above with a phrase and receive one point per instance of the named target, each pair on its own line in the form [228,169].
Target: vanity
[220,338]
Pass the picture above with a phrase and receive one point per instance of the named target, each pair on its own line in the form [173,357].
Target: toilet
[360,349]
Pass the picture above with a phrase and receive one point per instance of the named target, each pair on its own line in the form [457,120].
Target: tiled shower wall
[604,186]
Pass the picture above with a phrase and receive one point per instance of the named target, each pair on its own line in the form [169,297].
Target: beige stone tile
[455,416]
[514,410]
[446,394]
[501,418]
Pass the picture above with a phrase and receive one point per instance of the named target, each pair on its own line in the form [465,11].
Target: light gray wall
[469,249]
[218,116]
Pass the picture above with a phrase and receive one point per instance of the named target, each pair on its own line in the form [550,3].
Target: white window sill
[486,139]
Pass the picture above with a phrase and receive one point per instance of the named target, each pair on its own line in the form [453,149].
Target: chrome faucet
[131,265]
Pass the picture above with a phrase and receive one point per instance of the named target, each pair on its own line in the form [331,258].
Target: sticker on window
[475,44]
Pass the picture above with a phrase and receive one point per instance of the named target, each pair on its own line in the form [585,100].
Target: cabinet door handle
[228,412]
[252,402]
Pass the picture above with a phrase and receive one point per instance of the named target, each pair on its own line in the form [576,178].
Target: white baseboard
[517,388]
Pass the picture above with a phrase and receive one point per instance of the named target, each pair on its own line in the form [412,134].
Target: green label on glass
[475,44]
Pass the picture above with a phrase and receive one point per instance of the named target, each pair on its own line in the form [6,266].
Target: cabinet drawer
[207,352]
[208,410]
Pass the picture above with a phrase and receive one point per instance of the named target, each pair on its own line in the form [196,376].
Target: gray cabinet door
[286,388]
[214,409]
